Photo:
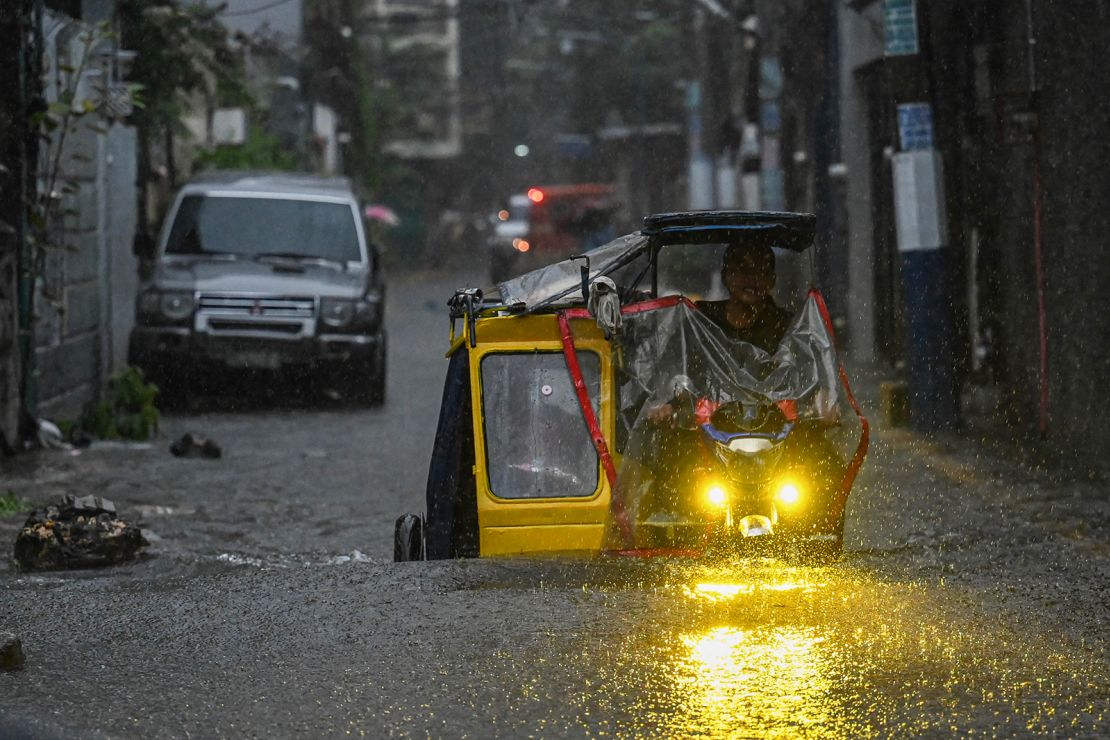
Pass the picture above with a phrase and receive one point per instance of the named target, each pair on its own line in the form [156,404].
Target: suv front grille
[245,316]
[265,306]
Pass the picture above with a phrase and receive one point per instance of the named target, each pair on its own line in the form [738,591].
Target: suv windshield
[264,226]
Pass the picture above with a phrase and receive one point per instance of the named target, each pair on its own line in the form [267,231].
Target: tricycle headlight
[789,492]
[336,312]
[716,494]
[176,306]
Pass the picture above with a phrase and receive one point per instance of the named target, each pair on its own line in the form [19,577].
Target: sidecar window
[537,443]
[692,270]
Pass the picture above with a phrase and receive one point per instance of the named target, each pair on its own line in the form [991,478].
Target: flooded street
[272,464]
[972,597]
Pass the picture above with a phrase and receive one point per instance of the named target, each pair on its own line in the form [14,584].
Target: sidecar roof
[560,283]
[792,231]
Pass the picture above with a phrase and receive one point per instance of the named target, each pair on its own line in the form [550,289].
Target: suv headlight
[176,306]
[336,312]
[157,307]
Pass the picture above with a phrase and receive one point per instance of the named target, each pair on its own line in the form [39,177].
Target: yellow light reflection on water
[726,591]
[722,590]
[769,681]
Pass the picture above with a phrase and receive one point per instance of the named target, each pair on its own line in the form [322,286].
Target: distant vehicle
[549,223]
[264,272]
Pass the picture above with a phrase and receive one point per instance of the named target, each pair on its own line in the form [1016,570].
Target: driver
[749,313]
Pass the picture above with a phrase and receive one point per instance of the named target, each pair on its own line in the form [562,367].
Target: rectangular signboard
[915,126]
[900,24]
[919,209]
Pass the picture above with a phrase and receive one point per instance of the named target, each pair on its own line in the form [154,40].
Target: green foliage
[125,411]
[13,505]
[182,49]
[261,151]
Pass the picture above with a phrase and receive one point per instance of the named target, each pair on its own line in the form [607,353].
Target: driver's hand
[661,413]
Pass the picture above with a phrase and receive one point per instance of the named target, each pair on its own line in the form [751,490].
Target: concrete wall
[85,297]
[1072,35]
[85,292]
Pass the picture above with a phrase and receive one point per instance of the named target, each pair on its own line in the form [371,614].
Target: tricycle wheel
[408,538]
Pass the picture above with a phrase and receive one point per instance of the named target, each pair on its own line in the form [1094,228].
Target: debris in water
[77,532]
[234,559]
[50,436]
[195,445]
[356,556]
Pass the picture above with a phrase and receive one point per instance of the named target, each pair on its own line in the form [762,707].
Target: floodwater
[972,598]
[758,648]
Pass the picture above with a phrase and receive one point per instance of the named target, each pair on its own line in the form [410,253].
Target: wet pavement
[973,597]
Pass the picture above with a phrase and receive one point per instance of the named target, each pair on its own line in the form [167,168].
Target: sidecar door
[538,480]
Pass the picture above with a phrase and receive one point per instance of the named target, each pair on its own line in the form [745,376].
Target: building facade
[1018,123]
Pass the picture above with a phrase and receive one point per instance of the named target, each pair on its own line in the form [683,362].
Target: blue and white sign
[915,126]
[900,24]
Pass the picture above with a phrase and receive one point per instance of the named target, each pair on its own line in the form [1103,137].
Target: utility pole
[921,219]
[768,80]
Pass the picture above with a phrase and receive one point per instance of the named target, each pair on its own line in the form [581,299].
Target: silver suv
[264,272]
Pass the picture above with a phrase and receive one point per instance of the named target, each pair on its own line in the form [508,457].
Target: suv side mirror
[143,246]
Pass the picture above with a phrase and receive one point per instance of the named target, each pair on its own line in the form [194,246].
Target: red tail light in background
[535,195]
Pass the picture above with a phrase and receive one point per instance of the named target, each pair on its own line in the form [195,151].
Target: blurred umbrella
[384,214]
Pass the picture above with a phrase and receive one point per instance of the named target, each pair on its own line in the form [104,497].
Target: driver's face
[748,275]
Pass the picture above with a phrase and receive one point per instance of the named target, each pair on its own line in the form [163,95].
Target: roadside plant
[13,505]
[126,409]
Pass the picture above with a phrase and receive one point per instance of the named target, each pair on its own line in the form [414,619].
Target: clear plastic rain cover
[677,351]
[559,283]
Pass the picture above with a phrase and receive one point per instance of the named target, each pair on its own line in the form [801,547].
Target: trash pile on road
[195,445]
[77,532]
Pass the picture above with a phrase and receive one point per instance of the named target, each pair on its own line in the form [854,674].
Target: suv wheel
[366,379]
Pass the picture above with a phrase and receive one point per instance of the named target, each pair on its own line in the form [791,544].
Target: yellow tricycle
[646,397]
